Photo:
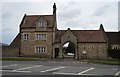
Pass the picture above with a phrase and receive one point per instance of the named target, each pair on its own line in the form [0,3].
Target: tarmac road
[53,68]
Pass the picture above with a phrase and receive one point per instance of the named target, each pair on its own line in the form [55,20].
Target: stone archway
[68,36]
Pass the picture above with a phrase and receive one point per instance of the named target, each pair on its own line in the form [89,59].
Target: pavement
[53,68]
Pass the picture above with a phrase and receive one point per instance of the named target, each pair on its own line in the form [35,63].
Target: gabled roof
[58,35]
[30,20]
[85,36]
[113,37]
[16,41]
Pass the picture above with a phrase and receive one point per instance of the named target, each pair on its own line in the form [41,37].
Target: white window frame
[40,49]
[41,22]
[26,37]
[40,36]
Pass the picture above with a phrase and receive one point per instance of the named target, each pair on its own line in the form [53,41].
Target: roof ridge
[39,15]
[79,30]
[85,30]
[111,32]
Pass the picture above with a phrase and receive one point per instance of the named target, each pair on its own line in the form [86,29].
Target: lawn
[22,59]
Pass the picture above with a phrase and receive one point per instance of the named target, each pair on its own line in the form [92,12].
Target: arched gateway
[68,36]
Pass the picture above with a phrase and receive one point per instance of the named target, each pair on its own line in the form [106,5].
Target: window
[116,47]
[40,36]
[92,47]
[100,48]
[25,36]
[83,47]
[41,22]
[40,49]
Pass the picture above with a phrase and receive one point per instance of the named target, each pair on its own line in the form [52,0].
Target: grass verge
[22,59]
[110,62]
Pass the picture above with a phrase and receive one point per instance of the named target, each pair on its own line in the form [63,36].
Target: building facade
[39,37]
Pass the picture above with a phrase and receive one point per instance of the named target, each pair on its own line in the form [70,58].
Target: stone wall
[8,51]
[93,50]
[28,46]
[68,36]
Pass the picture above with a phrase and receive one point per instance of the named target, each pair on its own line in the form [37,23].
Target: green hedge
[110,62]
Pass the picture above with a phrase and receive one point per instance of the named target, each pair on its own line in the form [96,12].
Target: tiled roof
[30,20]
[84,36]
[16,41]
[113,37]
[90,36]
[58,35]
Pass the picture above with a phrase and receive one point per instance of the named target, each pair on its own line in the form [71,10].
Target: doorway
[56,52]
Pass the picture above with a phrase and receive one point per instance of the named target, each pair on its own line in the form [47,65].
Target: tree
[114,53]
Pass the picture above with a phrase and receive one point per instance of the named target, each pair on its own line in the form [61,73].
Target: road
[52,68]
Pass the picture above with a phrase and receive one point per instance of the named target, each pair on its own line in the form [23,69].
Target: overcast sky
[77,15]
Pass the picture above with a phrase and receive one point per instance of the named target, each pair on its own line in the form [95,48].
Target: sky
[76,15]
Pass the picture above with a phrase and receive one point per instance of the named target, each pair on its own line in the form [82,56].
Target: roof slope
[16,41]
[113,37]
[58,35]
[30,20]
[90,36]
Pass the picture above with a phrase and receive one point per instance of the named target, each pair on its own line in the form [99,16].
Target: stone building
[39,37]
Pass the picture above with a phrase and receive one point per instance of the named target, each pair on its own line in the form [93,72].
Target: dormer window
[41,22]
